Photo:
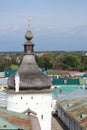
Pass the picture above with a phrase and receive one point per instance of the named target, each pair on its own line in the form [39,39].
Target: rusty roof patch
[15,119]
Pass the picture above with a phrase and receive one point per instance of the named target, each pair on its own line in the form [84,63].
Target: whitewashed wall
[39,103]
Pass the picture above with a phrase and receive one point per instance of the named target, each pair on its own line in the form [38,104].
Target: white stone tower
[29,88]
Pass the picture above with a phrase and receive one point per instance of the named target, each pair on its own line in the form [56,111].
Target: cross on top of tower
[29,19]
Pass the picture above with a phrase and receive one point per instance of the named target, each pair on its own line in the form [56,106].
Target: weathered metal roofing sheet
[14,120]
[3,101]
[2,74]
[35,123]
[77,109]
[73,95]
[3,81]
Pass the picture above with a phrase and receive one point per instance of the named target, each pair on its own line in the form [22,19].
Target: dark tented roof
[30,75]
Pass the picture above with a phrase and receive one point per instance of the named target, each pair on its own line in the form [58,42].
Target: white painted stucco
[39,103]
[17,81]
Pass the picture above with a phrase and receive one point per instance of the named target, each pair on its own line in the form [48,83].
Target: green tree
[44,61]
[4,63]
[71,61]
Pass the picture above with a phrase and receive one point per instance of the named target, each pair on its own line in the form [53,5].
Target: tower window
[41,116]
[31,97]
[21,97]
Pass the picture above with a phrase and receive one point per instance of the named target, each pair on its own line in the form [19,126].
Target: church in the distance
[29,88]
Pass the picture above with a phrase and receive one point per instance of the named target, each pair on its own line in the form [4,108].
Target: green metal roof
[11,120]
[8,73]
[62,81]
[6,125]
[67,88]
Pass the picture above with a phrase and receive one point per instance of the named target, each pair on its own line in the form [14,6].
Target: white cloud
[6,29]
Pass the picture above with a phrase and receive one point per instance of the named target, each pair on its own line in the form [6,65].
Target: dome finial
[29,19]
[29,34]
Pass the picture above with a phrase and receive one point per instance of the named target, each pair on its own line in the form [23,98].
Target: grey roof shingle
[30,75]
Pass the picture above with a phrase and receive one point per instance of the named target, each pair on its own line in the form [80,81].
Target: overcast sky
[56,24]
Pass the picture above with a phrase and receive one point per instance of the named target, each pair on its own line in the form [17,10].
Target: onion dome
[29,35]
[30,77]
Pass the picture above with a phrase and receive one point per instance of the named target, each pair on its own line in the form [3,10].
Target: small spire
[29,19]
[28,46]
[29,34]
